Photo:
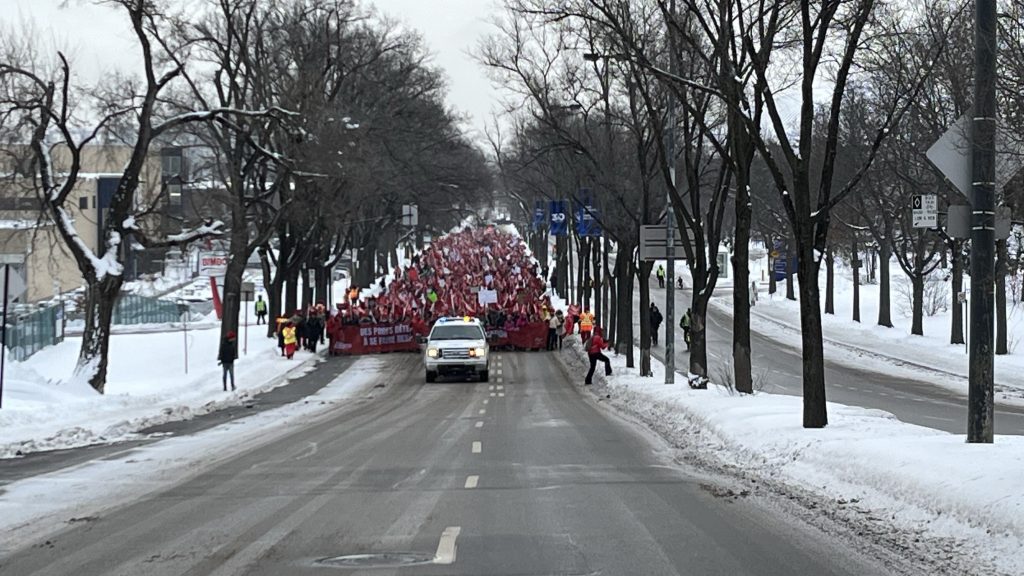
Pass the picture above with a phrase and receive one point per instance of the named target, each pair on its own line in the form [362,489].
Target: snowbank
[868,463]
[44,408]
[778,317]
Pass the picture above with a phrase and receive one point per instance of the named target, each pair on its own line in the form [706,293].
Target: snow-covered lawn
[866,463]
[780,318]
[45,408]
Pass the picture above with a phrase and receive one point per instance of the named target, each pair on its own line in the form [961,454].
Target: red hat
[231,335]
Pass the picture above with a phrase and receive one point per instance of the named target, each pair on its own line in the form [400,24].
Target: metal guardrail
[132,309]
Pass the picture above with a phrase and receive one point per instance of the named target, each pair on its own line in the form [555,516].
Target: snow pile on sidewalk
[44,408]
[867,463]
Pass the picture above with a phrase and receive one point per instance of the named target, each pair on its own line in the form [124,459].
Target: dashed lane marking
[501,394]
[501,387]
[491,387]
[446,547]
[471,481]
[486,401]
[482,411]
[480,424]
[477,447]
[493,394]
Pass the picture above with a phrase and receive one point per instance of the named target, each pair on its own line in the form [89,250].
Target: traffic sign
[654,242]
[951,154]
[248,290]
[15,284]
[925,210]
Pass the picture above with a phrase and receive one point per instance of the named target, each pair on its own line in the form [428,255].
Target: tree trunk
[291,293]
[742,371]
[830,282]
[772,283]
[584,271]
[790,290]
[323,286]
[624,300]
[307,286]
[1002,258]
[856,280]
[698,365]
[100,299]
[274,285]
[238,255]
[607,293]
[956,332]
[884,293]
[644,275]
[917,304]
[815,411]
[611,280]
[596,278]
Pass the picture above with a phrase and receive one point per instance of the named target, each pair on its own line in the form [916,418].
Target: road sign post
[248,288]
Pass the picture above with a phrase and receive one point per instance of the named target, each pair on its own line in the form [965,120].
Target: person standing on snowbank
[595,347]
[226,359]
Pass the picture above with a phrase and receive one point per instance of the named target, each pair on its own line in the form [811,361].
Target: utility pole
[670,262]
[983,164]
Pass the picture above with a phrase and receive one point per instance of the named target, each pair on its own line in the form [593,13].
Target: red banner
[374,339]
[529,336]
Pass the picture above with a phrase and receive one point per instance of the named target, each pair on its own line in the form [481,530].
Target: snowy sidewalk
[865,467]
[851,342]
[45,409]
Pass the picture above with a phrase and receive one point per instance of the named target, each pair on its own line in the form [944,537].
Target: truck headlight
[477,352]
[433,352]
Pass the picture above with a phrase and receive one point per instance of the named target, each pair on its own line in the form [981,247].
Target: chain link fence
[31,332]
[133,309]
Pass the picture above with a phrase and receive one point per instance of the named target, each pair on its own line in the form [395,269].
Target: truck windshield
[457,333]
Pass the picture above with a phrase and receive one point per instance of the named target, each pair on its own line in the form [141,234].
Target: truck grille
[455,353]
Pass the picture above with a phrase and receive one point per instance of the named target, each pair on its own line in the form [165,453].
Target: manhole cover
[386,560]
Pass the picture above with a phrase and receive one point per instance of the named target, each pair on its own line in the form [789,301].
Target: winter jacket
[656,318]
[228,351]
[289,335]
[597,344]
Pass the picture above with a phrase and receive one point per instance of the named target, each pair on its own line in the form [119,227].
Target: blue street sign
[538,215]
[559,218]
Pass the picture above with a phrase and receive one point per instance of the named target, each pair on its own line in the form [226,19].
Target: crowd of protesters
[447,279]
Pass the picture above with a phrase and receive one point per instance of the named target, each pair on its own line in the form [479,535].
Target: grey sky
[99,40]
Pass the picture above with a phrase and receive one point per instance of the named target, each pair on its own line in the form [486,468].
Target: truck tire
[485,376]
[431,376]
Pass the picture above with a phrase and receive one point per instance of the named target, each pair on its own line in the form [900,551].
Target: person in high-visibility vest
[586,323]
[289,339]
[261,310]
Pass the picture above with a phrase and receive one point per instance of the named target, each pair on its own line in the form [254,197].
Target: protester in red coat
[595,351]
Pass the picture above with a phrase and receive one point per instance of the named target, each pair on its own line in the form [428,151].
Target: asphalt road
[872,385]
[523,476]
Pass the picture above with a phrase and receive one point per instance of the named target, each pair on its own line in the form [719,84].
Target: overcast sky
[99,40]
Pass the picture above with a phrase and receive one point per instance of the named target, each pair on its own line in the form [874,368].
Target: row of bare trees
[316,120]
[793,121]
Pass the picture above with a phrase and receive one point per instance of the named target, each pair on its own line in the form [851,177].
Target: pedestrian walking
[290,340]
[261,310]
[226,359]
[555,323]
[661,276]
[656,319]
[595,352]
[684,323]
[753,293]
[563,324]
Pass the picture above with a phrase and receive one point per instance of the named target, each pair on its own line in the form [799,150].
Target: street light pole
[983,162]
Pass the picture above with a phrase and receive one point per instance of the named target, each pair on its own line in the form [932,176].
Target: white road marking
[491,387]
[477,447]
[486,401]
[501,387]
[482,411]
[493,394]
[499,371]
[446,548]
[471,481]
[500,379]
[501,394]
[883,394]
[480,424]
